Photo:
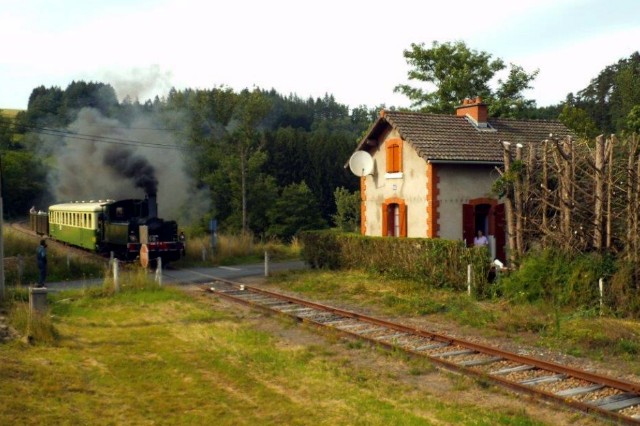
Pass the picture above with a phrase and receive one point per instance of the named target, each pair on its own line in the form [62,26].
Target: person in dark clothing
[41,256]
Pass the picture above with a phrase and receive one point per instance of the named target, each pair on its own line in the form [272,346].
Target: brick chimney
[474,109]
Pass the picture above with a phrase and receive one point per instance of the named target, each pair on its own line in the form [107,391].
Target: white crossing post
[159,271]
[601,288]
[116,283]
[469,279]
[266,263]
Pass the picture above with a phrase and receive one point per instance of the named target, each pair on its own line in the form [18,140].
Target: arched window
[394,218]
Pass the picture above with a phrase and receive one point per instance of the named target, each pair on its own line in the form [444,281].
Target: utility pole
[1,239]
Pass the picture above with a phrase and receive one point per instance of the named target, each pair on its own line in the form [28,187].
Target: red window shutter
[394,155]
[385,219]
[468,223]
[403,220]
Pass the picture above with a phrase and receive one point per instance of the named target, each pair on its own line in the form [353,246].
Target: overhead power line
[48,131]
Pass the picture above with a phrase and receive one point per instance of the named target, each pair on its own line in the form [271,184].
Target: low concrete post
[159,271]
[111,257]
[204,254]
[469,278]
[116,277]
[37,300]
[266,263]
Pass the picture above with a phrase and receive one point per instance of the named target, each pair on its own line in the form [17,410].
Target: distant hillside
[9,112]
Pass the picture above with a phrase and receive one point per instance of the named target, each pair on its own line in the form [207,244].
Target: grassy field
[9,112]
[235,250]
[579,333]
[159,356]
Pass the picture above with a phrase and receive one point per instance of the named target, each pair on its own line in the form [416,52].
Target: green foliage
[458,73]
[435,262]
[558,277]
[508,100]
[23,181]
[633,119]
[611,95]
[578,121]
[295,210]
[622,297]
[347,216]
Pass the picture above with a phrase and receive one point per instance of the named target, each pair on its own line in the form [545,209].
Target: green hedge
[440,263]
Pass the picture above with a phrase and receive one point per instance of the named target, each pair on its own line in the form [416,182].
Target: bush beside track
[439,263]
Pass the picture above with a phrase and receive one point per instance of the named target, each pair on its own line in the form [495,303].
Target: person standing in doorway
[41,257]
[480,240]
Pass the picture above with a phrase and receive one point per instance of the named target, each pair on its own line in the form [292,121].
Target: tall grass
[37,327]
[234,249]
[131,278]
[20,250]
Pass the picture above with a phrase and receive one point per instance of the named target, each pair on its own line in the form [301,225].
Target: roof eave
[475,162]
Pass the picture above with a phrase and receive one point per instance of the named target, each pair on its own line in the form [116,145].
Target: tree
[578,121]
[295,210]
[23,181]
[610,96]
[347,216]
[252,108]
[454,72]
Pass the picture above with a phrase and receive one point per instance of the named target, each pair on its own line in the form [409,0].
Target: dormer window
[394,156]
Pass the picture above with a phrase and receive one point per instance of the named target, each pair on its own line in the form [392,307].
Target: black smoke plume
[132,166]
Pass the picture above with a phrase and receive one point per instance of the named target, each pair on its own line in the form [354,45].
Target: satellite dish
[361,163]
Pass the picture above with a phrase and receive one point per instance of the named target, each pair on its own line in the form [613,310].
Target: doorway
[486,215]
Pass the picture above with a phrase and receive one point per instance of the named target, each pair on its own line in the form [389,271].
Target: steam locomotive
[107,225]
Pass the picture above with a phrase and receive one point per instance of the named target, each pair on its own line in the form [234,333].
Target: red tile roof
[450,138]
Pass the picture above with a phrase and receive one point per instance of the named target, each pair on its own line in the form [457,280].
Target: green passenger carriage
[77,223]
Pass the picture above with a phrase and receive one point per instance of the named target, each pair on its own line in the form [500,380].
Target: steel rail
[559,369]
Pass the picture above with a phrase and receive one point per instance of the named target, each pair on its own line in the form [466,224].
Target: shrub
[441,263]
[558,277]
[347,217]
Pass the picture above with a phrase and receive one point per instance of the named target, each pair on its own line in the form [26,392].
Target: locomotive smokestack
[152,202]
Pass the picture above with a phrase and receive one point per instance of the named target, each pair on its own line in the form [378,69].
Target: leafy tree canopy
[610,96]
[454,72]
[578,120]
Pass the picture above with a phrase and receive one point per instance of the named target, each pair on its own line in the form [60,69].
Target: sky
[352,49]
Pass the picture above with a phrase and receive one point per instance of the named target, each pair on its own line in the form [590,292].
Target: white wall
[411,187]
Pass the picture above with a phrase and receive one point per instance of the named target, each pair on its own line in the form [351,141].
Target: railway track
[604,396]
